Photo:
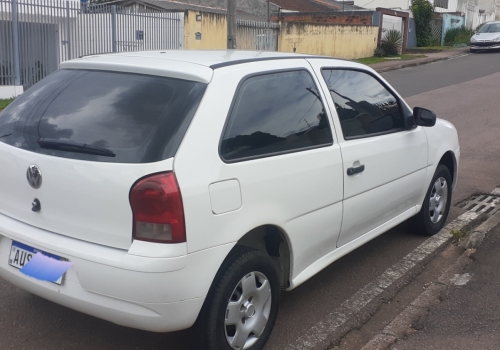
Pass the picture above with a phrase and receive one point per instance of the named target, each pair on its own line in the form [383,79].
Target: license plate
[20,254]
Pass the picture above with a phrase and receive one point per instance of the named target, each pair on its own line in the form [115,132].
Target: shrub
[391,43]
[379,52]
[422,12]
[458,36]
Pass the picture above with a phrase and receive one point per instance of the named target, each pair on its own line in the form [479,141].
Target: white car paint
[323,213]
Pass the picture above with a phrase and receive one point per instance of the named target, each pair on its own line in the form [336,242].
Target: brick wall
[348,17]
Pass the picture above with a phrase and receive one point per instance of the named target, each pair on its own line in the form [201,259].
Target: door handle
[355,170]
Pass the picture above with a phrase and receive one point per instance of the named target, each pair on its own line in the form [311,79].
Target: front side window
[273,114]
[364,106]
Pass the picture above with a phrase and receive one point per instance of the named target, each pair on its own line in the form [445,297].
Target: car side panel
[300,192]
[442,138]
[394,168]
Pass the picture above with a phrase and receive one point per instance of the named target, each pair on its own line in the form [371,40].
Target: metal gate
[36,35]
[436,31]
[261,36]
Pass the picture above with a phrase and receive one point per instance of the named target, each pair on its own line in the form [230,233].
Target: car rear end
[87,159]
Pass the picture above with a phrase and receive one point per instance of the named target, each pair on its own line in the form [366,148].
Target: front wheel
[436,206]
[242,305]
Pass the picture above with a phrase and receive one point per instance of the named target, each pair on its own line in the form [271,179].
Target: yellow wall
[342,41]
[213,29]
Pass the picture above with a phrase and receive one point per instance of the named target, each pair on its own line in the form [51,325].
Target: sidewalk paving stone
[431,57]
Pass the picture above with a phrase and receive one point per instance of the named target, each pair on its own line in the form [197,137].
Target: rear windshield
[102,116]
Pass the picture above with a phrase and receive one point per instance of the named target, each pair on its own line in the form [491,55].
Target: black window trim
[273,154]
[399,100]
[261,59]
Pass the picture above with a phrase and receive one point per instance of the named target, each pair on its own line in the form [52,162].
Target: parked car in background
[191,187]
[486,38]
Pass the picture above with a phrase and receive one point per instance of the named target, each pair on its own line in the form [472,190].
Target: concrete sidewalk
[431,57]
[469,315]
[461,309]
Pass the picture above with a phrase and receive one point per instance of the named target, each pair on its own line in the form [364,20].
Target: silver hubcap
[438,199]
[248,311]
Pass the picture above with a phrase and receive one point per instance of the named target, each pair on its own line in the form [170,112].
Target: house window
[441,3]
[139,35]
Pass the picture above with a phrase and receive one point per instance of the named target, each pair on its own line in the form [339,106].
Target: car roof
[197,65]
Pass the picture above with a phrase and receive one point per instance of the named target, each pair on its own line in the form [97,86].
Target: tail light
[157,207]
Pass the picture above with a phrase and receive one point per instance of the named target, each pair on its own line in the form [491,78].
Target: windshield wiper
[71,146]
[5,135]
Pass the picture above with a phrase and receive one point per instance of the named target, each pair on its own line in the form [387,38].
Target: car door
[384,163]
[270,158]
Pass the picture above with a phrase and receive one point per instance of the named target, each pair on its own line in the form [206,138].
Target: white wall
[392,22]
[10,91]
[391,4]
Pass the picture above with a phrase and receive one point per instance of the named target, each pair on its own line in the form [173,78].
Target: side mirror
[424,117]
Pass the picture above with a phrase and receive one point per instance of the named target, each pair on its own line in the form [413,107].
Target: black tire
[473,51]
[211,331]
[422,222]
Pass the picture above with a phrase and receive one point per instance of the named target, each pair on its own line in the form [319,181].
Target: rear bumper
[153,294]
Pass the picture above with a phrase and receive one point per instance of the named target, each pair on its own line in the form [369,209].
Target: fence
[36,35]
[262,36]
[436,30]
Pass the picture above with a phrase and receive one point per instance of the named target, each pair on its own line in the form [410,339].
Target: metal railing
[36,35]
[252,35]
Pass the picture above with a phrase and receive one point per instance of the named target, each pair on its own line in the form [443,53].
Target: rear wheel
[436,206]
[242,305]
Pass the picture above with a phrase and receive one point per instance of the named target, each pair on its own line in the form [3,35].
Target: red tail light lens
[157,207]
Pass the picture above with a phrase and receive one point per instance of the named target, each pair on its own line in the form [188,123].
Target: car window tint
[490,28]
[364,106]
[139,118]
[275,113]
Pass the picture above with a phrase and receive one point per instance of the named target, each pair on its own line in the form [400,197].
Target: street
[464,91]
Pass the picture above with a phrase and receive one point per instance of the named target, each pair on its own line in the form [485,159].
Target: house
[255,7]
[204,27]
[315,5]
[475,12]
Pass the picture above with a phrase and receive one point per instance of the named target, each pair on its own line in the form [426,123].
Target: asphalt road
[464,90]
[421,79]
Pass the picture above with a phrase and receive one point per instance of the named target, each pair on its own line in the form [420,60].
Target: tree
[422,12]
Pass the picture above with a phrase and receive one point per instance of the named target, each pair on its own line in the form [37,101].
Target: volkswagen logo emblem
[34,176]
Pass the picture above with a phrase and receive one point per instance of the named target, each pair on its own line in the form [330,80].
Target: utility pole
[268,12]
[231,24]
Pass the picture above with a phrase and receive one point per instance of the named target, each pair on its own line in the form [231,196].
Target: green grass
[457,234]
[5,103]
[433,48]
[372,60]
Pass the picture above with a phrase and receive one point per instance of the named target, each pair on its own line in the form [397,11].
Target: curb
[413,314]
[363,304]
[418,63]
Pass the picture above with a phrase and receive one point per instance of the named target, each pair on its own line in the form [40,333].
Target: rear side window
[364,106]
[273,114]
[102,116]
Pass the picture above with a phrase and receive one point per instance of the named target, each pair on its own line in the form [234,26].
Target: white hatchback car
[191,187]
